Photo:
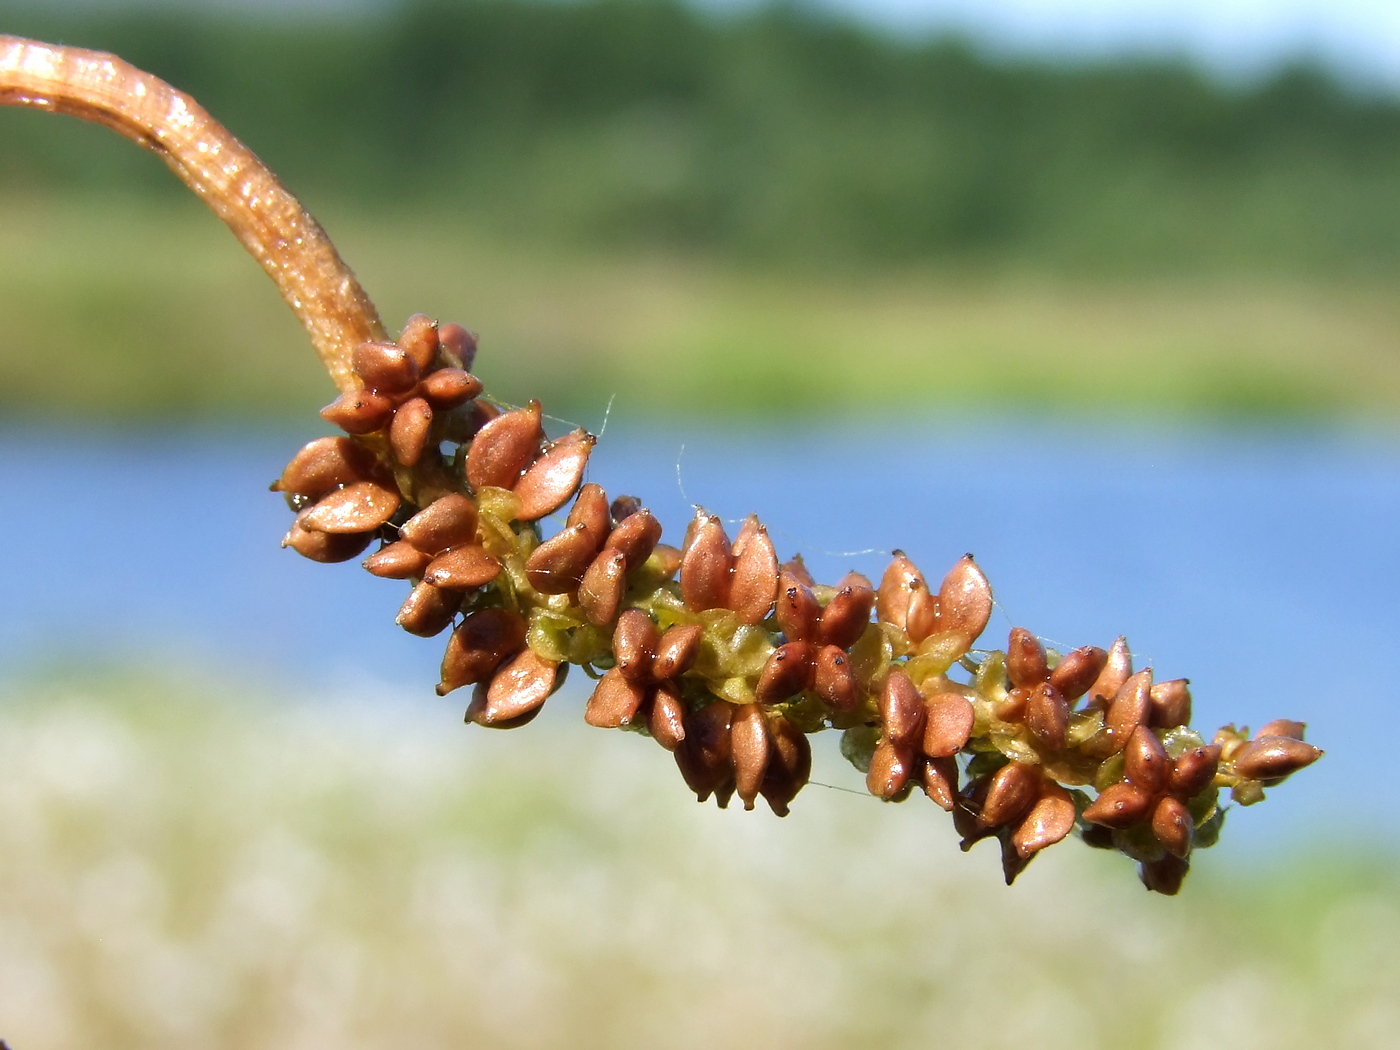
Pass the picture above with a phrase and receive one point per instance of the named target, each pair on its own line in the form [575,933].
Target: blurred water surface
[1261,564]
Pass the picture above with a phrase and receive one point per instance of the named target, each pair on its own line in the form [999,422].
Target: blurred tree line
[777,134]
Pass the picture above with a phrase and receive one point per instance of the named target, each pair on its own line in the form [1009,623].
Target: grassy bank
[131,309]
[179,868]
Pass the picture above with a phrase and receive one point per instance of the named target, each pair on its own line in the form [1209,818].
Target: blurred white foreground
[182,871]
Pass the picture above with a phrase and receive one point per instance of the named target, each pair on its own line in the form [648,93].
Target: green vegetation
[776,135]
[771,212]
[225,871]
[118,309]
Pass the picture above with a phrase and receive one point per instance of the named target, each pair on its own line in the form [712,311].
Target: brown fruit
[834,679]
[400,560]
[1078,670]
[615,701]
[409,432]
[458,345]
[450,388]
[324,465]
[479,646]
[666,719]
[386,368]
[676,651]
[847,615]
[901,710]
[428,610]
[939,777]
[504,447]
[1119,806]
[788,671]
[1170,704]
[602,587]
[634,645]
[1145,761]
[897,586]
[1051,818]
[1047,717]
[964,602]
[706,565]
[1130,707]
[359,507]
[754,583]
[419,340]
[1011,792]
[552,479]
[557,565]
[1172,824]
[519,688]
[789,765]
[636,537]
[798,612]
[1194,771]
[704,756]
[948,724]
[359,412]
[328,547]
[1025,659]
[1273,757]
[749,740]
[1115,673]
[891,767]
[449,521]
[462,568]
[590,510]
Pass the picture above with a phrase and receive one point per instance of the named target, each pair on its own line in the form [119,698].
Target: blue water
[1262,565]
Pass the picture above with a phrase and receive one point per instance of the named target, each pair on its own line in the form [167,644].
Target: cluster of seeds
[728,657]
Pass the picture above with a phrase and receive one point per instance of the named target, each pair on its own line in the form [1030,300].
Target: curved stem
[270,222]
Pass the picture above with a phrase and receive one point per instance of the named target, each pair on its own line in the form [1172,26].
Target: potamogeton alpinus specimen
[725,655]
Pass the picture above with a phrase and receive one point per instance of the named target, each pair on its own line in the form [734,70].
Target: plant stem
[270,222]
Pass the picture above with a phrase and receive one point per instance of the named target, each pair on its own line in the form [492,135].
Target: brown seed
[1119,806]
[419,340]
[458,345]
[1283,727]
[360,507]
[615,701]
[590,510]
[325,547]
[359,412]
[706,565]
[921,620]
[704,756]
[749,739]
[602,587]
[479,646]
[463,424]
[448,521]
[1193,772]
[1049,821]
[939,777]
[325,464]
[1170,704]
[551,480]
[1145,761]
[1025,659]
[409,432]
[557,565]
[1047,717]
[964,601]
[666,719]
[834,679]
[966,810]
[623,508]
[1078,670]
[677,651]
[1164,876]
[449,388]
[385,368]
[634,645]
[504,447]
[1013,708]
[1172,825]
[1273,757]
[636,537]
[476,712]
[1130,707]
[789,765]
[462,567]
[428,610]
[798,611]
[400,560]
[847,615]
[948,725]
[1012,791]
[754,584]
[897,586]
[1114,674]
[518,688]
[788,670]
[891,767]
[901,710]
